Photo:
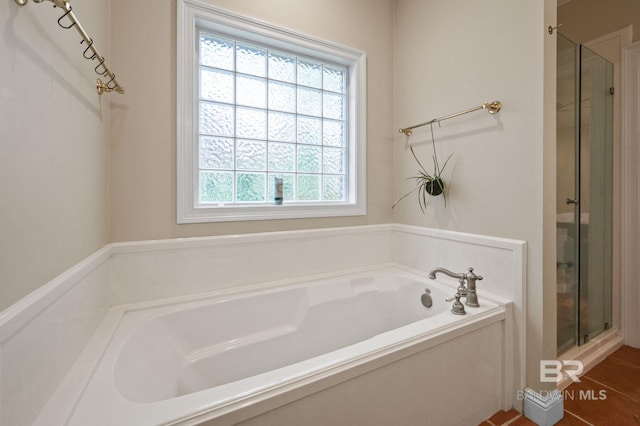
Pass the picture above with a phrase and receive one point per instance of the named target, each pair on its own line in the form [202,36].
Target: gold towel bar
[90,51]
[491,107]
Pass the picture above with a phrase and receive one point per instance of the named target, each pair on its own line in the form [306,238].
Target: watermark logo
[567,394]
[552,370]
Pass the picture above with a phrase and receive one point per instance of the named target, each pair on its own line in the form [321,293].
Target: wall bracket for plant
[69,20]
[432,184]
[491,107]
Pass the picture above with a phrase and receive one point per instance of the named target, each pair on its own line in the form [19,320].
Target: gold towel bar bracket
[491,107]
[551,29]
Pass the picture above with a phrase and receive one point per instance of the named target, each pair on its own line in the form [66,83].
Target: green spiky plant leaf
[427,185]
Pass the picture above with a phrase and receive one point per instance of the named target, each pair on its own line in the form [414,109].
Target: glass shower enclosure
[584,220]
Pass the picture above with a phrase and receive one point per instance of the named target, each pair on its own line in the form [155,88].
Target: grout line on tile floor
[513,420]
[613,389]
[578,417]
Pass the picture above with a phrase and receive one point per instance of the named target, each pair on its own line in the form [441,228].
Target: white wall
[451,55]
[53,145]
[143,155]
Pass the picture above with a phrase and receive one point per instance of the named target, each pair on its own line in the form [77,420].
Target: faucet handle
[472,296]
[472,275]
[458,307]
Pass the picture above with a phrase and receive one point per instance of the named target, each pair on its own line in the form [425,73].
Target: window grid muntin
[267,172]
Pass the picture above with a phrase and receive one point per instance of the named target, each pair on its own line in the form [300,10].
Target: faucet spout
[460,277]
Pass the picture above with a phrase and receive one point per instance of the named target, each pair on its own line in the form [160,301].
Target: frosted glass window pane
[251,155]
[251,123]
[216,187]
[333,105]
[308,188]
[265,113]
[282,127]
[282,67]
[251,60]
[287,186]
[309,73]
[309,130]
[309,158]
[282,96]
[216,52]
[216,119]
[251,91]
[333,160]
[333,133]
[251,187]
[334,78]
[216,153]
[282,157]
[216,85]
[333,188]
[309,101]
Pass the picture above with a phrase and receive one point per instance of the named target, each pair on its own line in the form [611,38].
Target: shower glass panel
[584,194]
[566,154]
[596,194]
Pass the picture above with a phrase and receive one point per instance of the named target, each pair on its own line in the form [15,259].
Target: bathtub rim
[239,291]
[71,391]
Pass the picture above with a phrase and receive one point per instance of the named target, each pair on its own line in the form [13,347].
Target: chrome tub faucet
[468,291]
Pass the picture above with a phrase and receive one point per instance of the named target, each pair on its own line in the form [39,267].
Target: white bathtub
[228,358]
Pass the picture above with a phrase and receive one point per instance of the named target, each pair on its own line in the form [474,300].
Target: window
[258,103]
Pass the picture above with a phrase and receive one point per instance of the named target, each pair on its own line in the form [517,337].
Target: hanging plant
[428,185]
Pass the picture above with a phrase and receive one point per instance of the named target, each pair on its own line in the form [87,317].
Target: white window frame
[193,15]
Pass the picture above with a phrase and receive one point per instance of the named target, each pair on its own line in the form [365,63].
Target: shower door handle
[572,201]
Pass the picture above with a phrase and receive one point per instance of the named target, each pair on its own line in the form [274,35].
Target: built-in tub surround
[140,274]
[42,335]
[173,363]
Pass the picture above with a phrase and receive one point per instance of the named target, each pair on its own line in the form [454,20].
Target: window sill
[268,212]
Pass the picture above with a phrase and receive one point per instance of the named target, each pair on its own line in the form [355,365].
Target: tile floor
[608,394]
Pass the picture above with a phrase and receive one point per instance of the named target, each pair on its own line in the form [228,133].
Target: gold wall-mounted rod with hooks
[491,107]
[90,52]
